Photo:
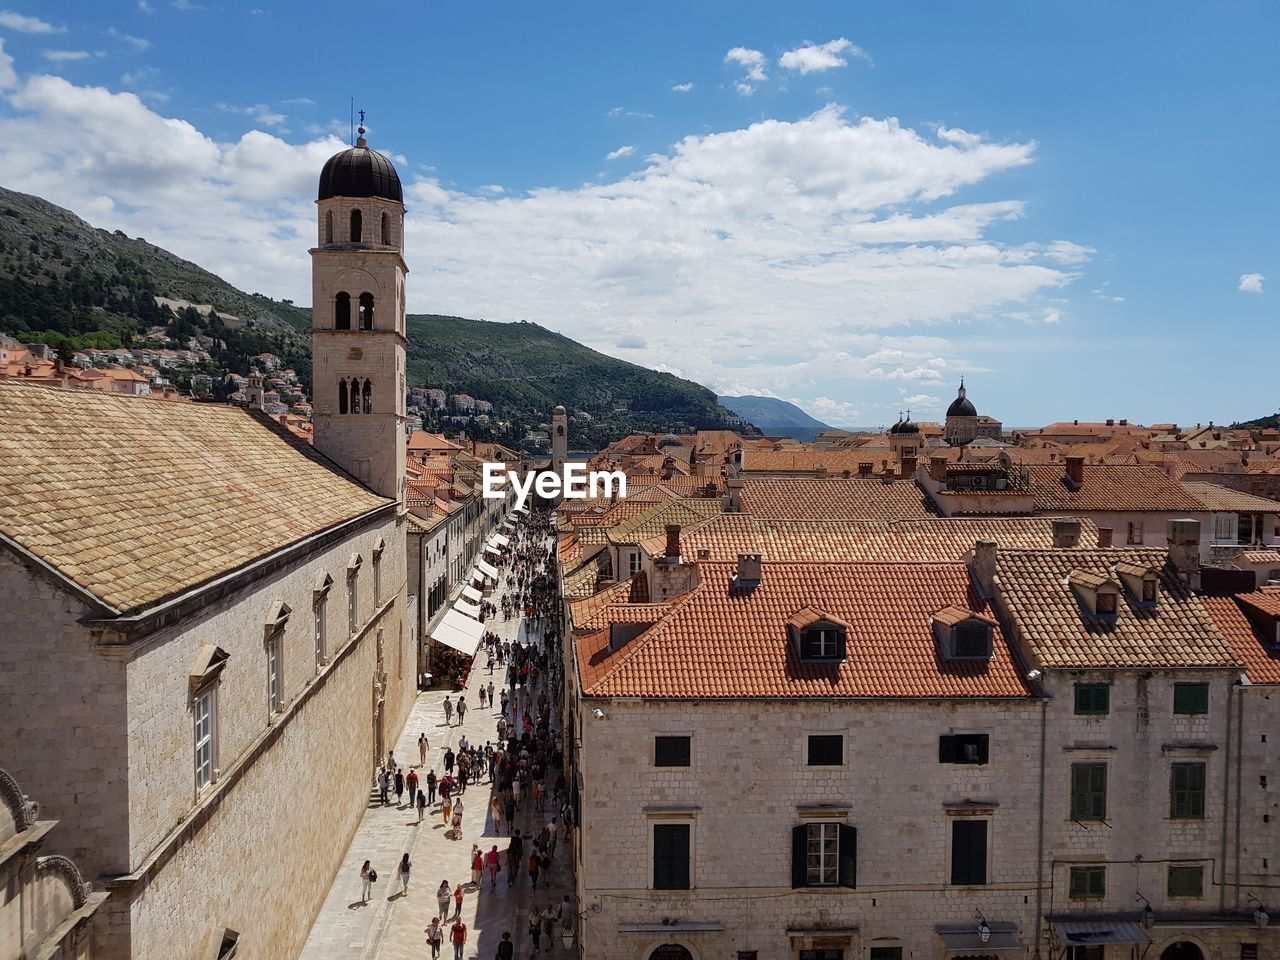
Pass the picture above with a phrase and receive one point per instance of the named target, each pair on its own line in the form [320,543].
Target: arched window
[368,397]
[366,311]
[386,228]
[342,396]
[356,226]
[342,312]
[328,226]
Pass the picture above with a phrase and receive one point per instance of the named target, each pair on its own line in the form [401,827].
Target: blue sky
[848,205]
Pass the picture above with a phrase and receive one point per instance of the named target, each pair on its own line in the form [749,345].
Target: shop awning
[509,523]
[492,548]
[963,938]
[498,540]
[520,510]
[472,594]
[472,610]
[1080,933]
[458,631]
[486,569]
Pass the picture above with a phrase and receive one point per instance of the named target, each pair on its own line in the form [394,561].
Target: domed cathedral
[963,423]
[904,438]
[358,318]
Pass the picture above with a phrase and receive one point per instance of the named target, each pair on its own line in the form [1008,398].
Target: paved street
[391,926]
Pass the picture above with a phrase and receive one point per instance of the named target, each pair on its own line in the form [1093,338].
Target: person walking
[423,746]
[533,868]
[384,784]
[446,810]
[448,762]
[462,709]
[367,877]
[399,789]
[411,784]
[507,948]
[458,937]
[477,865]
[535,930]
[435,934]
[448,711]
[490,689]
[405,867]
[515,859]
[509,812]
[553,831]
[431,786]
[443,893]
[492,860]
[422,805]
[457,899]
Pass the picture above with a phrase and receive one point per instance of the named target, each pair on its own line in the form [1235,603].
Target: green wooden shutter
[840,645]
[946,749]
[1088,791]
[984,747]
[671,856]
[799,856]
[848,869]
[968,852]
[1191,698]
[1186,787]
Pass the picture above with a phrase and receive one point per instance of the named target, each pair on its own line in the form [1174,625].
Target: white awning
[459,632]
[472,594]
[509,523]
[493,548]
[488,571]
[520,510]
[472,610]
[965,939]
[498,540]
[1079,933]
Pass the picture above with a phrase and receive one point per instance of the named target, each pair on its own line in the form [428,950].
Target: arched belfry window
[328,226]
[342,312]
[368,396]
[386,228]
[342,396]
[366,311]
[356,226]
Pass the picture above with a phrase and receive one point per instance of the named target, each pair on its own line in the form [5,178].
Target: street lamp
[1260,917]
[1148,915]
[566,937]
[984,928]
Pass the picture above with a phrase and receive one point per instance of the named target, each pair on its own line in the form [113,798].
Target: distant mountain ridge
[773,417]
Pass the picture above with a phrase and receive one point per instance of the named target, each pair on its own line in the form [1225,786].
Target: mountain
[776,417]
[1262,423]
[69,284]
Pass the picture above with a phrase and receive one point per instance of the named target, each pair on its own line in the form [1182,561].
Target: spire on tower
[360,140]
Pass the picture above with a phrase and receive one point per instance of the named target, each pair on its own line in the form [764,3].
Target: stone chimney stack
[938,469]
[668,468]
[1184,550]
[1105,537]
[864,469]
[907,467]
[733,497]
[822,471]
[673,543]
[985,556]
[1075,470]
[1066,533]
[749,570]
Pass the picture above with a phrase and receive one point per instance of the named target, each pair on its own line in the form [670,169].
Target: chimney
[733,501]
[1066,533]
[1075,423]
[845,473]
[908,467]
[984,565]
[1075,470]
[864,469]
[822,471]
[1105,537]
[1110,422]
[673,543]
[749,572]
[938,468]
[1184,550]
[1124,423]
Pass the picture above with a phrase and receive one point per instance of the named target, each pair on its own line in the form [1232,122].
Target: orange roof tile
[1256,650]
[1220,498]
[837,499]
[718,642]
[1110,488]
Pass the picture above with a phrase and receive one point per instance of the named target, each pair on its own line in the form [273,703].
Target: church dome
[904,426]
[960,406]
[558,411]
[670,440]
[360,172]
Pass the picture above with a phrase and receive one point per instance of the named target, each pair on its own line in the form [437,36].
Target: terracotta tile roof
[1256,650]
[1265,601]
[677,485]
[137,501]
[569,551]
[724,643]
[1259,556]
[587,613]
[584,579]
[810,459]
[929,540]
[836,499]
[1110,488]
[592,536]
[686,510]
[1219,498]
[421,440]
[1177,632]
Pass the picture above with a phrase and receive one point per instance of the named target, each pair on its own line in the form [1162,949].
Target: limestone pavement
[391,926]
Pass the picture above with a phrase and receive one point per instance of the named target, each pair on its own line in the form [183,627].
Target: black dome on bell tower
[360,172]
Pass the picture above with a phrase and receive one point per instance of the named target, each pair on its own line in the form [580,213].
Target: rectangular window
[205,721]
[1088,883]
[1088,791]
[275,680]
[973,641]
[671,856]
[320,631]
[1094,951]
[633,561]
[968,852]
[826,750]
[885,953]
[1105,605]
[1191,698]
[672,751]
[1135,532]
[1224,527]
[824,954]
[1093,699]
[1148,591]
[352,611]
[1186,791]
[377,579]
[1186,882]
[822,644]
[964,748]
[824,855]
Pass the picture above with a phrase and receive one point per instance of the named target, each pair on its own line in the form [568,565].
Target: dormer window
[964,634]
[1143,583]
[1099,594]
[818,638]
[1105,604]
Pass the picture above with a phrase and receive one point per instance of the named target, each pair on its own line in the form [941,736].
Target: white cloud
[259,111]
[621,152]
[1051,315]
[298,102]
[493,188]
[24,24]
[818,57]
[1251,283]
[753,62]
[186,5]
[8,75]
[681,87]
[138,43]
[838,413]
[65,56]
[146,7]
[812,258]
[622,112]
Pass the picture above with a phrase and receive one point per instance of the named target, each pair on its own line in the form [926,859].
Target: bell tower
[358,318]
[559,438]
